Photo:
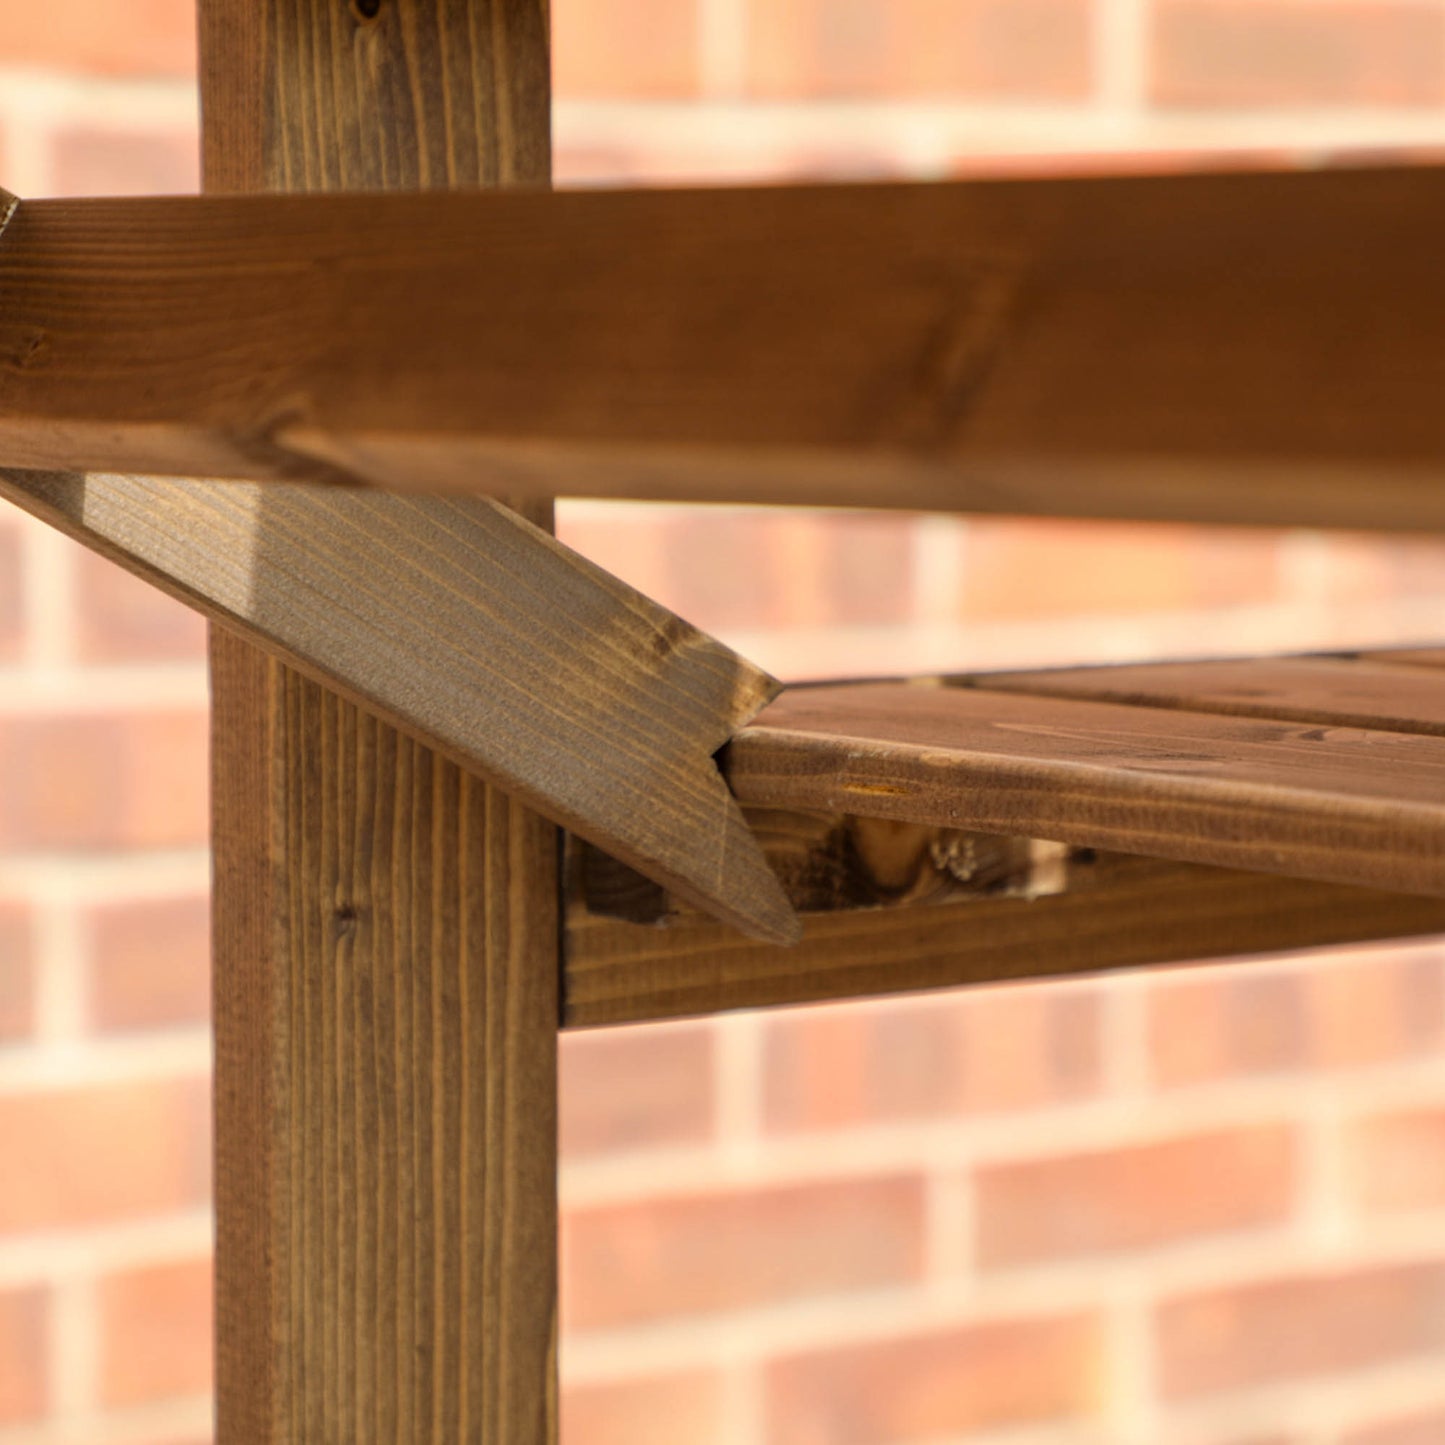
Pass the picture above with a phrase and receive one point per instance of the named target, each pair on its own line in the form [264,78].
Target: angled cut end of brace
[468,628]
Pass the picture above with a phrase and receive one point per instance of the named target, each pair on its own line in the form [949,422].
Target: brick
[725,157]
[23,1325]
[1216,53]
[1428,1429]
[121,619]
[1226,1023]
[1376,1005]
[693,1255]
[87,1156]
[986,1376]
[1137,1198]
[630,542]
[989,1051]
[117,162]
[1035,569]
[17,973]
[661,1411]
[868,569]
[997,49]
[642,49]
[760,569]
[150,962]
[1366,1007]
[125,780]
[141,37]
[1298,1328]
[155,1332]
[12,591]
[629,1089]
[1397,1161]
[1369,569]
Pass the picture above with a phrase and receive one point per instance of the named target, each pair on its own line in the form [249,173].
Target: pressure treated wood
[1115,913]
[1337,804]
[387,928]
[476,633]
[1246,348]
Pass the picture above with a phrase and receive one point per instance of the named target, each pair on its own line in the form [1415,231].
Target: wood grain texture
[1116,912]
[1337,804]
[1367,692]
[476,633]
[1217,348]
[386,925]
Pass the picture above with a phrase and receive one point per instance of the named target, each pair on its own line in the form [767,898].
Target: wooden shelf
[1324,768]
[1214,810]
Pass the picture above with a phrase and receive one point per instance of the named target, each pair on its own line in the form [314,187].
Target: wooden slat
[1330,691]
[386,925]
[1244,348]
[476,633]
[1121,913]
[1336,804]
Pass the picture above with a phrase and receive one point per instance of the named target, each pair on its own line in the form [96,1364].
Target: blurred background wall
[1202,1207]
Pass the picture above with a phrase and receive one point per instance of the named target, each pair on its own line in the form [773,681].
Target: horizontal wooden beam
[1115,912]
[465,626]
[1242,348]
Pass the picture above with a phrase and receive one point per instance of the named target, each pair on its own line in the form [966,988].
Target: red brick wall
[1204,1207]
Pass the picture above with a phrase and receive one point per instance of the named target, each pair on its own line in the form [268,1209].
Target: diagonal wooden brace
[462,624]
[459,622]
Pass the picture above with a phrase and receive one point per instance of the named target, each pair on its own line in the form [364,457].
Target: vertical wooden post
[386,928]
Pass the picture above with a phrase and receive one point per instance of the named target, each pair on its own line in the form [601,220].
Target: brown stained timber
[1108,912]
[476,633]
[1287,767]
[1377,691]
[1209,348]
[1338,804]
[386,925]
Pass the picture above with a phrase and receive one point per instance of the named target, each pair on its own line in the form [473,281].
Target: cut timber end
[470,629]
